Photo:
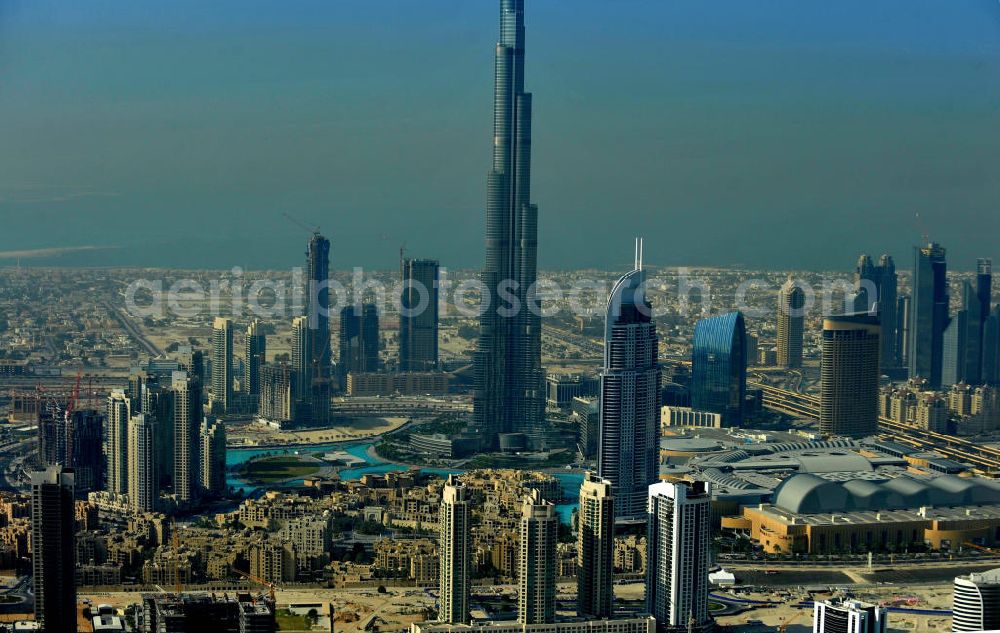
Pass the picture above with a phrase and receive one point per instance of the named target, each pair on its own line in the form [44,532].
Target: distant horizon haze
[791,134]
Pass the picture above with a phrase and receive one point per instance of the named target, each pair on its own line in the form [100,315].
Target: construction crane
[784,624]
[923,229]
[300,223]
[981,548]
[259,581]
[68,419]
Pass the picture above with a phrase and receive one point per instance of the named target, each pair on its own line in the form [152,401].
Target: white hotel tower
[678,540]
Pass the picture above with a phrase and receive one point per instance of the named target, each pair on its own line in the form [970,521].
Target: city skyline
[439,449]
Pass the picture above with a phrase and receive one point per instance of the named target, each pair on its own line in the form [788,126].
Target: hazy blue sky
[772,133]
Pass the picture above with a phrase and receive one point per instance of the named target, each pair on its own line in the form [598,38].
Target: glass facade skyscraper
[359,341]
[928,313]
[418,320]
[962,342]
[509,394]
[255,354]
[991,347]
[883,279]
[719,367]
[629,406]
[320,358]
[53,546]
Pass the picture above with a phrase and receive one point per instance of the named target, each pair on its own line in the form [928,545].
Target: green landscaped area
[288,621]
[269,470]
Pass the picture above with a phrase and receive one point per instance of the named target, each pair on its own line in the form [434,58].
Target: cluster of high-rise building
[156,448]
[159,442]
[152,447]
[895,335]
[299,390]
[677,559]
[295,391]
[947,349]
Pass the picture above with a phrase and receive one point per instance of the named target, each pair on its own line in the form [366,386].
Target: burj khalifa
[509,395]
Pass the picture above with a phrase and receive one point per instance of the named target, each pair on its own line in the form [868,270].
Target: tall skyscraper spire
[509,391]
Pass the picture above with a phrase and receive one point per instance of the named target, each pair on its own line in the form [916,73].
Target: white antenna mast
[640,253]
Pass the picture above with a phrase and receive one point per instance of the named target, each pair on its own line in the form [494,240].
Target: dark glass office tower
[53,558]
[928,313]
[991,347]
[883,280]
[972,363]
[418,319]
[962,342]
[719,367]
[75,441]
[317,384]
[255,353]
[87,457]
[984,294]
[359,341]
[370,338]
[509,391]
[954,347]
[629,406]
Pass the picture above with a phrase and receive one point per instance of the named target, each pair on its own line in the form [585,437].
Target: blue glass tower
[719,367]
[928,313]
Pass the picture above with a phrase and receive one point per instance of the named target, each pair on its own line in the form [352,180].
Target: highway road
[958,448]
[133,330]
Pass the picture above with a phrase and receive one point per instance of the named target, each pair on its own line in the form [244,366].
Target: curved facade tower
[627,452]
[509,390]
[976,604]
[719,367]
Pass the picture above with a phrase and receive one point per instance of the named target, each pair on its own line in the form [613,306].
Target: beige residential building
[143,487]
[595,548]
[455,542]
[791,324]
[536,599]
